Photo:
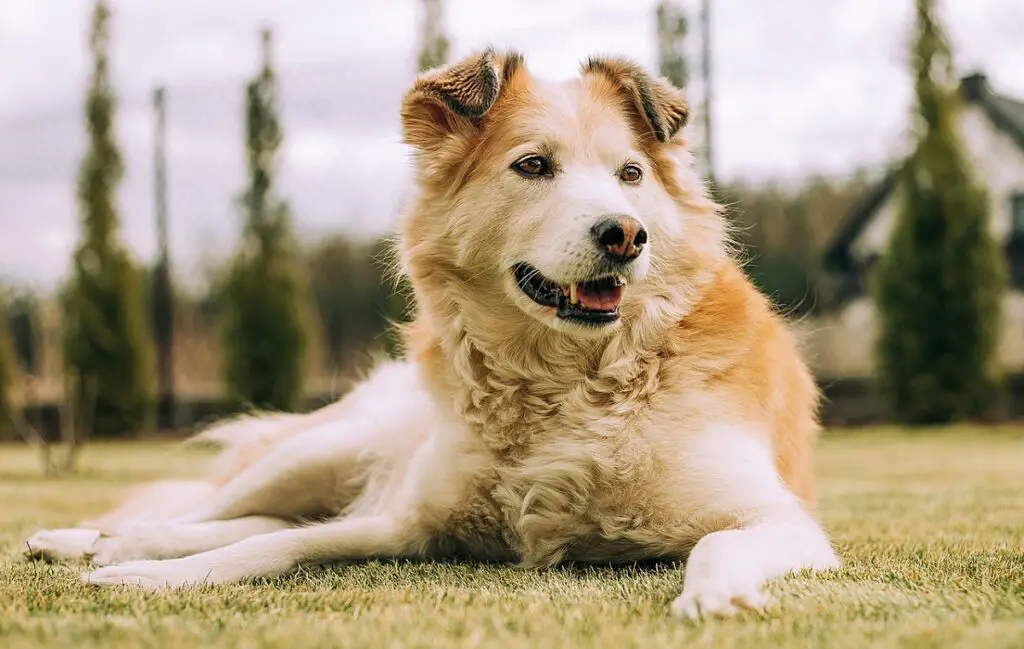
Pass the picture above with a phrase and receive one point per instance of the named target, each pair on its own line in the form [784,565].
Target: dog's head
[574,205]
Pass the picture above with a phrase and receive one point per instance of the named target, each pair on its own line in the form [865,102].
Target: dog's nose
[621,237]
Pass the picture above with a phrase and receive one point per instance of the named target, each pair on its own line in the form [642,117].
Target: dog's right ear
[454,99]
[661,104]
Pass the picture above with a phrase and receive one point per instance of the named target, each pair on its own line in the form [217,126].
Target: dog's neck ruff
[511,391]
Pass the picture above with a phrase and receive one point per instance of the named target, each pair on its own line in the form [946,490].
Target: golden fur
[685,428]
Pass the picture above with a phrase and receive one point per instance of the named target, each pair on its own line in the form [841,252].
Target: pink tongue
[606,298]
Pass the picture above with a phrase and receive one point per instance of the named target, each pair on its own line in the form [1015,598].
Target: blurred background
[260,136]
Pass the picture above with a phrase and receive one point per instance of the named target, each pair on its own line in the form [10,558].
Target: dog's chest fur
[573,476]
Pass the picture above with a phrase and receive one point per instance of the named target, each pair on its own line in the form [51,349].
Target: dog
[589,375]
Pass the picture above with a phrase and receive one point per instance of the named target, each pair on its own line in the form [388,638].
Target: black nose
[621,237]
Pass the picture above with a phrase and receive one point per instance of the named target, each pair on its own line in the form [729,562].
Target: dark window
[1017,215]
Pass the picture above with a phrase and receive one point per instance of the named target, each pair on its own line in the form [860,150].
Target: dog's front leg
[774,535]
[272,554]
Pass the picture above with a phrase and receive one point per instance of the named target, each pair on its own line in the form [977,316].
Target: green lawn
[930,525]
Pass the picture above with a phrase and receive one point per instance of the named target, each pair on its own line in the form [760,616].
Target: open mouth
[594,301]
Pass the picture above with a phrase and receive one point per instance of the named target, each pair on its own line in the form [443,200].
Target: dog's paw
[149,575]
[727,570]
[708,598]
[111,551]
[722,579]
[70,544]
[132,542]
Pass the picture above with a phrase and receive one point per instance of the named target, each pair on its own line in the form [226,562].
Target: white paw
[150,575]
[70,544]
[133,542]
[110,551]
[722,578]
[707,598]
[727,570]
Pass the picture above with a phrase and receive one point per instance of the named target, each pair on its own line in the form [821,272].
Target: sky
[801,87]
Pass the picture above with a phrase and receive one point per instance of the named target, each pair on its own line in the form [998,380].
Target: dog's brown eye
[532,165]
[631,174]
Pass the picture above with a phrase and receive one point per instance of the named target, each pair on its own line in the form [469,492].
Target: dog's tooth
[621,281]
[572,294]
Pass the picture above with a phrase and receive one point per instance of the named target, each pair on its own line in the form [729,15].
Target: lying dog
[590,376]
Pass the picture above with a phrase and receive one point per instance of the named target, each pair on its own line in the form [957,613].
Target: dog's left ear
[453,99]
[661,104]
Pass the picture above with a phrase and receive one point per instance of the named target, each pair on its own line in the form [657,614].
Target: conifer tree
[434,44]
[265,321]
[106,350]
[6,374]
[940,284]
[672,30]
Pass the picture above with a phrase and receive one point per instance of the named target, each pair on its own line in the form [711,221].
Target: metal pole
[163,297]
[705,23]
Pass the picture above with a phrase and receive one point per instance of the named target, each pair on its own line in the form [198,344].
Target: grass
[930,526]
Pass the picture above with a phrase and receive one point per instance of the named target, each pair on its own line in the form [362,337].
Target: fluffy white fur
[508,434]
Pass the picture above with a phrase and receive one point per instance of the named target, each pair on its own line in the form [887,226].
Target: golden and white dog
[590,376]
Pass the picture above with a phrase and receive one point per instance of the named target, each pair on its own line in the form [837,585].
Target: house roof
[1005,113]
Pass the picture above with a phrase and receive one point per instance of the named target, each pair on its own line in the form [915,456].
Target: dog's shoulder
[746,361]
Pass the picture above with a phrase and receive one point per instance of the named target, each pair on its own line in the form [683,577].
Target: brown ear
[661,104]
[455,97]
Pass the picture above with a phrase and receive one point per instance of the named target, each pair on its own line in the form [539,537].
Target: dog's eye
[532,165]
[631,174]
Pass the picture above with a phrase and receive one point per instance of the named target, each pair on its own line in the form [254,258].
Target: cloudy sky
[802,86]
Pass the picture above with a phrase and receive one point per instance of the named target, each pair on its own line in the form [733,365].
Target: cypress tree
[6,373]
[264,331]
[672,27]
[434,44]
[23,330]
[394,294]
[106,351]
[940,284]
